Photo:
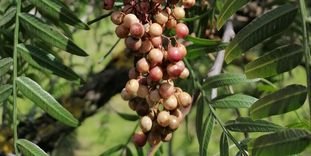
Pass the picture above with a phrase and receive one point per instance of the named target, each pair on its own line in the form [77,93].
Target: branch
[218,64]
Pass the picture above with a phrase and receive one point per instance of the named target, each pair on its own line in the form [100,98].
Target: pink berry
[155,29]
[137,30]
[174,54]
[142,65]
[155,56]
[139,139]
[156,73]
[181,30]
[156,41]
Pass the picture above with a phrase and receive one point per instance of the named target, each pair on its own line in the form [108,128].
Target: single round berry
[156,73]
[142,65]
[174,54]
[166,90]
[155,56]
[174,122]
[143,91]
[181,65]
[154,96]
[108,4]
[133,43]
[137,30]
[184,74]
[122,31]
[125,95]
[188,3]
[145,124]
[132,87]
[117,17]
[155,30]
[184,99]
[167,137]
[173,71]
[181,30]
[179,13]
[139,139]
[145,46]
[161,17]
[142,108]
[170,103]
[156,41]
[130,19]
[163,118]
[171,23]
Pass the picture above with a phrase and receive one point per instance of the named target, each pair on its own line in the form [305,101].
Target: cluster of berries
[158,61]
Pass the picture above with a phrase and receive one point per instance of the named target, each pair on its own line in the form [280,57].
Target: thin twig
[16,32]
[99,18]
[218,64]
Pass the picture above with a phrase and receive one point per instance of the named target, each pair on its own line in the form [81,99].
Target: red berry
[108,4]
[174,54]
[173,70]
[121,31]
[182,49]
[133,43]
[156,73]
[181,30]
[139,139]
[137,30]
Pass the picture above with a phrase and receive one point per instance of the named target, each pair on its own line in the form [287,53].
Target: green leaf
[207,130]
[269,24]
[37,28]
[44,60]
[286,142]
[245,124]
[225,80]
[59,12]
[284,100]
[5,65]
[277,61]
[128,117]
[234,101]
[8,17]
[112,150]
[224,145]
[29,149]
[229,8]
[5,92]
[45,101]
[202,41]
